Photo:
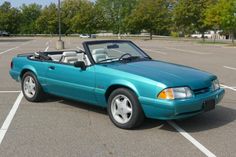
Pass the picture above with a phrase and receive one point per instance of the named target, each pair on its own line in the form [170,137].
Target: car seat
[69,57]
[99,55]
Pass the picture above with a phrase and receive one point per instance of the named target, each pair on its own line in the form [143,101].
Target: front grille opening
[186,113]
[201,91]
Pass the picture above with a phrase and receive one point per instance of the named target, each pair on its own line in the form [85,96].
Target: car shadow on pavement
[210,120]
[147,124]
[151,123]
[78,104]
[206,121]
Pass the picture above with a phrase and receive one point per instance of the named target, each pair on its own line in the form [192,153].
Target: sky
[17,3]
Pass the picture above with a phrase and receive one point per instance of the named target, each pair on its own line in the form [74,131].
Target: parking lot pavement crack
[109,152]
[89,118]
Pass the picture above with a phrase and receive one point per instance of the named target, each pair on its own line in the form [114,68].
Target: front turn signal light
[166,94]
[175,93]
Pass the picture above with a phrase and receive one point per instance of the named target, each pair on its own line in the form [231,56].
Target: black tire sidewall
[137,113]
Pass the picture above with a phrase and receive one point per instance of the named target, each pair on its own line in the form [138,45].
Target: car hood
[172,75]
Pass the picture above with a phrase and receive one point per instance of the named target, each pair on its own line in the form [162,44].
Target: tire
[124,109]
[38,94]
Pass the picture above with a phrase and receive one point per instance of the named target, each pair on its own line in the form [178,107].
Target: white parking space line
[188,51]
[156,51]
[228,87]
[10,91]
[10,116]
[9,50]
[48,42]
[46,48]
[14,47]
[231,68]
[12,113]
[192,140]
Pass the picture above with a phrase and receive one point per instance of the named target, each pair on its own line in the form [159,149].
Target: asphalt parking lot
[59,127]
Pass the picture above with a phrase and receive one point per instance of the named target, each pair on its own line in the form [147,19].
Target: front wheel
[124,109]
[31,88]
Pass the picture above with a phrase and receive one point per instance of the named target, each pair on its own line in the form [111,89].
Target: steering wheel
[126,54]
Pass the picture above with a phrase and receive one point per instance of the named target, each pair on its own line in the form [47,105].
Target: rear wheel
[124,109]
[31,88]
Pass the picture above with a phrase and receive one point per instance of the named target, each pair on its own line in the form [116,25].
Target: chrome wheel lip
[29,86]
[121,109]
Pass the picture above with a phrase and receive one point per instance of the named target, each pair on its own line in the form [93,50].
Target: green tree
[85,21]
[69,10]
[47,22]
[9,18]
[213,17]
[151,15]
[222,15]
[228,16]
[82,16]
[189,15]
[30,14]
[115,13]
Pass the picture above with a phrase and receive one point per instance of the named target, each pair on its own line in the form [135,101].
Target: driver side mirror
[80,64]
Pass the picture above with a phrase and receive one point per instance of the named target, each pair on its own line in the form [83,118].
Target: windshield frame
[94,42]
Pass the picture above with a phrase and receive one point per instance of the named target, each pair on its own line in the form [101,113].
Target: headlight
[175,93]
[215,85]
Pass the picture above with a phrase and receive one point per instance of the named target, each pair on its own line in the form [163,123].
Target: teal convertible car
[118,75]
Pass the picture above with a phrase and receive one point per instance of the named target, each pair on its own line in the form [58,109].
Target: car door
[69,81]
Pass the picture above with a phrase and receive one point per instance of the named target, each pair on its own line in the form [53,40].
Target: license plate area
[209,105]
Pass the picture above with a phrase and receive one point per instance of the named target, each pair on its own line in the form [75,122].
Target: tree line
[161,17]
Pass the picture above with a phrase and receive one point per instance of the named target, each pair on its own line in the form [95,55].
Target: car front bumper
[177,109]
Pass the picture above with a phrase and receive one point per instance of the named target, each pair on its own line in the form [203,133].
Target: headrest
[98,51]
[69,54]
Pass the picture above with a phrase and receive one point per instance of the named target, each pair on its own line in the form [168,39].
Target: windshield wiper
[134,58]
[109,59]
[130,58]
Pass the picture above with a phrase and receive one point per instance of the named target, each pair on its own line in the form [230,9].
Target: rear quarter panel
[22,64]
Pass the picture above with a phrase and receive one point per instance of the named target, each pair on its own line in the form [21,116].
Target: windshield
[114,51]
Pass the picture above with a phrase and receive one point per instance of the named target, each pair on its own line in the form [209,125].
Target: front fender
[101,92]
[125,83]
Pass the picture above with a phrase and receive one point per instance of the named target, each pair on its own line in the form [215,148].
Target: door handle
[51,68]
